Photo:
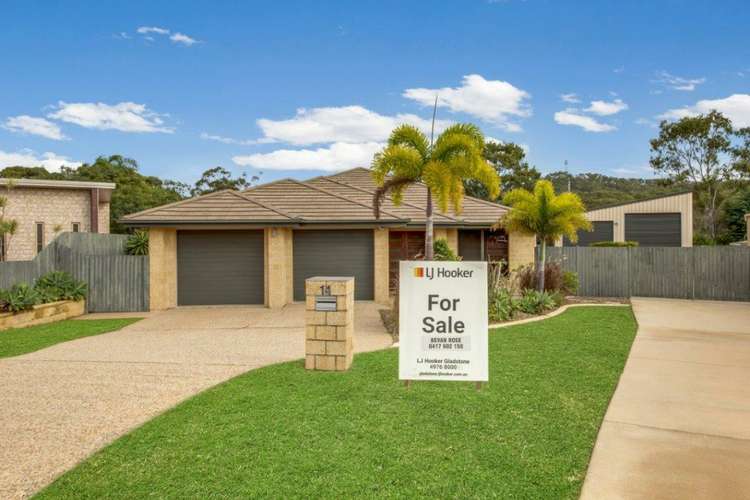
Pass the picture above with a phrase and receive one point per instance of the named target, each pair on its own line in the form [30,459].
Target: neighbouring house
[666,221]
[258,246]
[44,208]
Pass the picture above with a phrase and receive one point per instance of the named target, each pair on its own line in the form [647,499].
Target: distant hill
[597,190]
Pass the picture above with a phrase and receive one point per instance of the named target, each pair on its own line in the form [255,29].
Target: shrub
[570,283]
[501,291]
[535,302]
[443,251]
[59,285]
[553,277]
[619,244]
[137,243]
[20,297]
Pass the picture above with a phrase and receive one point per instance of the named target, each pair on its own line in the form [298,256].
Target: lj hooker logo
[441,272]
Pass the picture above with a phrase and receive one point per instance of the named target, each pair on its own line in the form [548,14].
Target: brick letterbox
[329,319]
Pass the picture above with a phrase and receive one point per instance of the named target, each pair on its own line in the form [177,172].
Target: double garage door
[227,267]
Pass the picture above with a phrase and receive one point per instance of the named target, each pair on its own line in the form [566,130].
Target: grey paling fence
[710,273]
[116,282]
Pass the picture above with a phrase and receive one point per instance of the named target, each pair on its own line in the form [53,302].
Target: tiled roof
[346,197]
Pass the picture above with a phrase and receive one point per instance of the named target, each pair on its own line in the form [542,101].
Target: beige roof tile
[339,198]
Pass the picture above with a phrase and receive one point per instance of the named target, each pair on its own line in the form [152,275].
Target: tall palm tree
[545,214]
[410,158]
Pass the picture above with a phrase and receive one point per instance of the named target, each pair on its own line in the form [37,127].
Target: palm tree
[545,214]
[410,158]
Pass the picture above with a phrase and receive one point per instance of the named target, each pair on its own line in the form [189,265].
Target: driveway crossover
[678,425]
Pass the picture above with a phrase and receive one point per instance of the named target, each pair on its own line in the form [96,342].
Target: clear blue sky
[292,88]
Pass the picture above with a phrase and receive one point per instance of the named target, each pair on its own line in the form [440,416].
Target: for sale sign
[443,321]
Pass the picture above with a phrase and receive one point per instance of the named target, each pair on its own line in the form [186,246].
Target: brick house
[258,246]
[44,208]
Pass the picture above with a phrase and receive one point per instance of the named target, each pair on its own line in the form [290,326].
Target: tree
[219,178]
[134,191]
[699,149]
[547,215]
[509,161]
[737,205]
[410,158]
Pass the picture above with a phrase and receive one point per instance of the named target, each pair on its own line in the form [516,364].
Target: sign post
[443,321]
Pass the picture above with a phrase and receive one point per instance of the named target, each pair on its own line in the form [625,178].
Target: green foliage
[735,209]
[134,192]
[545,214]
[570,283]
[443,251]
[623,244]
[502,305]
[509,161]
[137,243]
[20,297]
[703,150]
[59,285]
[455,157]
[597,190]
[536,302]
[218,179]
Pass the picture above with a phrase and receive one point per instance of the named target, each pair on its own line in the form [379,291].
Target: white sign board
[443,321]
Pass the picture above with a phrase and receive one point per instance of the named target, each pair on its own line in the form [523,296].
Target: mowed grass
[17,341]
[284,432]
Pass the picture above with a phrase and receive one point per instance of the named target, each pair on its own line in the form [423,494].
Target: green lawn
[285,432]
[18,341]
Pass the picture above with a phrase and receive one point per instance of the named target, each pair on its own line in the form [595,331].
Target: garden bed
[43,313]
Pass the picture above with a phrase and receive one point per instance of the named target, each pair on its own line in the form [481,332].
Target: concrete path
[60,404]
[678,425]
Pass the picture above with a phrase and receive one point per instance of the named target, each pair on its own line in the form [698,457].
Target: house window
[76,227]
[39,236]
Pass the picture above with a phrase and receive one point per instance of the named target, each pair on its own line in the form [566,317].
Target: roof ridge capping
[341,197]
[364,190]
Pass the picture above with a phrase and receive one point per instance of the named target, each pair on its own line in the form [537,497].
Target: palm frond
[411,137]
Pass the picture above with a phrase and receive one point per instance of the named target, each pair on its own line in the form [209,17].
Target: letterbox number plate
[325,303]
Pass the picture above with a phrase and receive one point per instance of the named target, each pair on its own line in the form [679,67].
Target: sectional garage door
[334,253]
[219,267]
[654,230]
[602,231]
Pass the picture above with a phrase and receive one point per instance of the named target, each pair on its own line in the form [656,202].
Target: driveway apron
[678,425]
[61,404]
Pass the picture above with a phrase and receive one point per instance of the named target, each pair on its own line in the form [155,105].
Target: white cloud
[736,107]
[32,125]
[124,116]
[338,156]
[571,117]
[339,124]
[28,158]
[619,69]
[183,39]
[230,140]
[677,82]
[494,101]
[144,30]
[571,98]
[604,108]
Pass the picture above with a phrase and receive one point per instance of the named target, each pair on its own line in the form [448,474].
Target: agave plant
[137,243]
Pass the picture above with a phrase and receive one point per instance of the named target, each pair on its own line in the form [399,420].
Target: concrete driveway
[60,404]
[678,425]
